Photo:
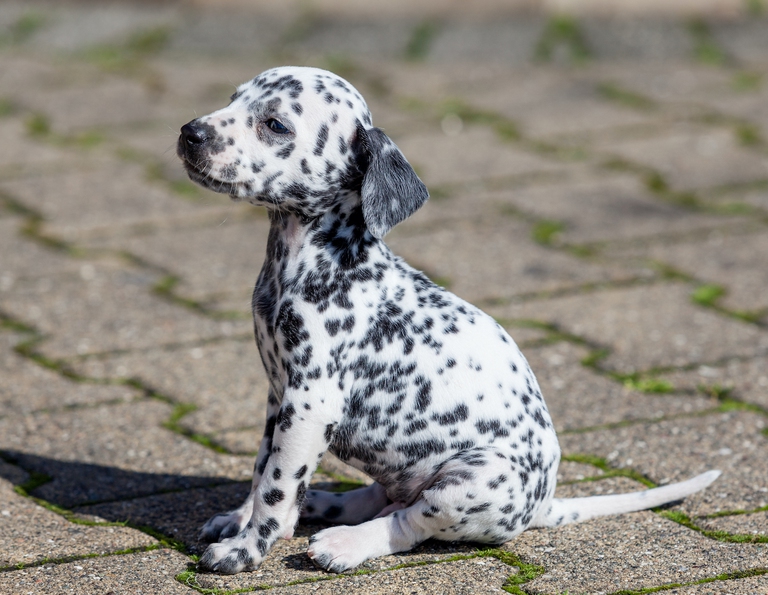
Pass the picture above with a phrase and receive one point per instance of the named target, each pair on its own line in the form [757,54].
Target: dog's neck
[339,235]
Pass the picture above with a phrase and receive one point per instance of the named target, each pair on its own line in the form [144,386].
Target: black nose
[194,133]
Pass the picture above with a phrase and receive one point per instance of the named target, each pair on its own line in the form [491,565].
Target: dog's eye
[276,126]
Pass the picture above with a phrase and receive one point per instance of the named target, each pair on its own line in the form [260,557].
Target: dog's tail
[574,510]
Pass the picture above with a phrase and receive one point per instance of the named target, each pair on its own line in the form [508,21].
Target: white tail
[572,510]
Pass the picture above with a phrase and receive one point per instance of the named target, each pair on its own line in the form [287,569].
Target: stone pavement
[600,186]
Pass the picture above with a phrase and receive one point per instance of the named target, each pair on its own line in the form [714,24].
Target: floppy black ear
[391,190]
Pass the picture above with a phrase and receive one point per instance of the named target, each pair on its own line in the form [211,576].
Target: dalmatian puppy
[366,356]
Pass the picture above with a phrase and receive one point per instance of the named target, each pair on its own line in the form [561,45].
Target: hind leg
[484,495]
[348,508]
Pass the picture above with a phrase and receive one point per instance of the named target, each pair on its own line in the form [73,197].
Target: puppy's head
[301,140]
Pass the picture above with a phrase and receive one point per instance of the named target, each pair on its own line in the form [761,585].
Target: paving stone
[692,156]
[636,40]
[548,103]
[142,573]
[632,551]
[287,561]
[23,257]
[673,332]
[224,379]
[565,382]
[756,197]
[504,41]
[179,514]
[30,534]
[95,101]
[605,208]
[28,387]
[110,452]
[22,156]
[744,586]
[569,471]
[744,379]
[676,450]
[98,196]
[112,308]
[465,577]
[601,487]
[496,259]
[734,261]
[441,159]
[219,259]
[676,85]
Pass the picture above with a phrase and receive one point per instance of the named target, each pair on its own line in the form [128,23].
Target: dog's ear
[391,191]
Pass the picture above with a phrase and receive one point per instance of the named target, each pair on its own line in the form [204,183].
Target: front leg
[227,524]
[299,442]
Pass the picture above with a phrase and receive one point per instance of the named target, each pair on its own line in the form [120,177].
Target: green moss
[562,32]
[746,81]
[649,385]
[625,97]
[748,135]
[593,359]
[420,42]
[683,519]
[24,28]
[546,231]
[38,125]
[705,48]
[707,295]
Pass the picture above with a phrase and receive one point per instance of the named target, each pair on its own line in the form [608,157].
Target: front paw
[230,557]
[224,525]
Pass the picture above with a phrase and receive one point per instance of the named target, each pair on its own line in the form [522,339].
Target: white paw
[231,556]
[226,524]
[337,549]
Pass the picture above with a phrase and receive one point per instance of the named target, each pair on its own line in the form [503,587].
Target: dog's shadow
[165,504]
[169,506]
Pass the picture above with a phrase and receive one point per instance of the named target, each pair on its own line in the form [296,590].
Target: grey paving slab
[569,471]
[288,562]
[548,103]
[466,577]
[99,195]
[506,42]
[745,586]
[27,386]
[746,380]
[96,102]
[142,573]
[112,452]
[577,397]
[21,155]
[224,379]
[222,258]
[674,450]
[179,515]
[606,208]
[443,159]
[735,261]
[632,551]
[494,258]
[745,524]
[692,156]
[600,487]
[23,257]
[30,534]
[670,82]
[673,332]
[112,308]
